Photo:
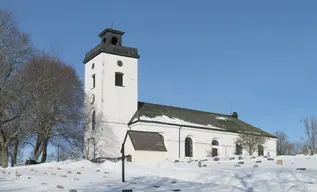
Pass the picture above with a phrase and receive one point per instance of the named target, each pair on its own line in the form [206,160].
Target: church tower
[111,82]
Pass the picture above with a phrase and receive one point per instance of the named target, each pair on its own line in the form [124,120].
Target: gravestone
[59,187]
[258,162]
[127,190]
[279,162]
[31,162]
[240,162]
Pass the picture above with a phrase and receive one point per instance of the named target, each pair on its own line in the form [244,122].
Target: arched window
[260,150]
[93,80]
[214,148]
[188,147]
[114,41]
[238,149]
[215,143]
[104,40]
[93,120]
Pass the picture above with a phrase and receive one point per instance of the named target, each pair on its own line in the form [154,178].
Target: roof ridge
[139,131]
[196,110]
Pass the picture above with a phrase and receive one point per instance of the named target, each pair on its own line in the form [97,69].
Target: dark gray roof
[202,118]
[111,49]
[108,30]
[146,141]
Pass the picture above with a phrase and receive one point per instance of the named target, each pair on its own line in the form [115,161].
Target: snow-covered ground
[168,176]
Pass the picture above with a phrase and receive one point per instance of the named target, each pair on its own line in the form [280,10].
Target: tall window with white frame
[93,120]
[93,80]
[119,79]
[260,150]
[238,149]
[188,147]
[214,150]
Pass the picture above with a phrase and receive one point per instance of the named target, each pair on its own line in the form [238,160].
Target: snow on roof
[222,118]
[166,119]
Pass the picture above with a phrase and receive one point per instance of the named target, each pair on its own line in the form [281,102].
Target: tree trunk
[44,154]
[4,156]
[15,152]
[12,163]
[37,148]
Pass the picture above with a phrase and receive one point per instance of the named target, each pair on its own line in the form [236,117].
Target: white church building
[150,132]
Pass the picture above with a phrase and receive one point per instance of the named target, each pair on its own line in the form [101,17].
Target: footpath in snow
[223,175]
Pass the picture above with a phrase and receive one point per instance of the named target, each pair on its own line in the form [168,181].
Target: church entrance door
[214,152]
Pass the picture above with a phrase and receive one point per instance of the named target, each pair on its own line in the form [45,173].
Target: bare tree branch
[251,141]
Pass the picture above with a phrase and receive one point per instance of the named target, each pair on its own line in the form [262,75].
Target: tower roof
[109,30]
[111,42]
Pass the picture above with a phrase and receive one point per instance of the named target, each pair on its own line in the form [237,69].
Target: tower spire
[112,24]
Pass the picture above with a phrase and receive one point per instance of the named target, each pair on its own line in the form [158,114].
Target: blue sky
[260,55]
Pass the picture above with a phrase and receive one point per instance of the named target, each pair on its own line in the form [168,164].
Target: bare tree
[282,143]
[58,101]
[250,141]
[92,126]
[310,124]
[15,51]
[99,139]
[289,149]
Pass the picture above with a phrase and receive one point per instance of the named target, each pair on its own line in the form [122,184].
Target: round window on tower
[119,62]
[93,66]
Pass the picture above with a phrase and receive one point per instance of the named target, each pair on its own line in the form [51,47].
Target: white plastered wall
[201,140]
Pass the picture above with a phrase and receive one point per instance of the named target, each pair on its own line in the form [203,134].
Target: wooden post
[58,152]
[122,159]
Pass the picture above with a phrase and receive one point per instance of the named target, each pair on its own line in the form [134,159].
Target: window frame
[93,81]
[239,149]
[189,147]
[93,120]
[117,82]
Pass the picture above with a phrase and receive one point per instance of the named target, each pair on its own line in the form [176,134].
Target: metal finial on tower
[112,24]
